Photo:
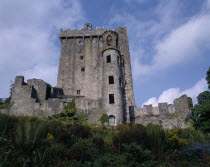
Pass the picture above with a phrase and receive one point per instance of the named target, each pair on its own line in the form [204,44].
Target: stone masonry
[95,70]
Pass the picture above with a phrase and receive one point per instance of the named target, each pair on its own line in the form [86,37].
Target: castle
[95,70]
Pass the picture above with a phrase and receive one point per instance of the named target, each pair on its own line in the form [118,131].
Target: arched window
[112,120]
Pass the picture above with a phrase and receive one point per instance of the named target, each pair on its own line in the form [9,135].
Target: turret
[112,77]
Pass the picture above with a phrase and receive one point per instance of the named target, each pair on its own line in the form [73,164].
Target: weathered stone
[95,70]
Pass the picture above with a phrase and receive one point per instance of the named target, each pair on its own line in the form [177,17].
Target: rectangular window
[82,69]
[78,92]
[108,59]
[81,57]
[120,82]
[111,98]
[111,80]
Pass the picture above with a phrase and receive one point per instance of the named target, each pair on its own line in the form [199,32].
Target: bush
[83,150]
[156,138]
[175,142]
[193,136]
[134,134]
[27,134]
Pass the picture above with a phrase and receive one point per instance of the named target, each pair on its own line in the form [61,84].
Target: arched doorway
[112,120]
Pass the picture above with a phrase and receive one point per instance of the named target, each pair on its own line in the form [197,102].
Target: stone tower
[95,68]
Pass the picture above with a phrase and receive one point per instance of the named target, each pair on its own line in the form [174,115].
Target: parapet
[86,31]
[182,105]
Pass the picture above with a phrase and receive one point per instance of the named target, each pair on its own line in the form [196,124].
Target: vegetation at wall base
[30,141]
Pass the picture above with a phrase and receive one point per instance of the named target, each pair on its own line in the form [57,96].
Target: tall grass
[156,138]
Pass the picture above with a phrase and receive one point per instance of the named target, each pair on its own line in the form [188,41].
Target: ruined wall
[167,115]
[31,99]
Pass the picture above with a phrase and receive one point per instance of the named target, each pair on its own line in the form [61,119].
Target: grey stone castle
[95,70]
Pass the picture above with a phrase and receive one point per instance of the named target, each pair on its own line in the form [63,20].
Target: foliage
[201,116]
[208,77]
[193,136]
[29,141]
[156,138]
[204,97]
[104,118]
[135,133]
[201,111]
[69,114]
[27,134]
[175,142]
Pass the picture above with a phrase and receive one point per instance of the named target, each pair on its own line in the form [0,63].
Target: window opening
[111,80]
[81,57]
[82,69]
[78,92]
[111,98]
[108,59]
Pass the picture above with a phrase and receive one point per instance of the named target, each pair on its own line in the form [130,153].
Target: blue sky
[169,41]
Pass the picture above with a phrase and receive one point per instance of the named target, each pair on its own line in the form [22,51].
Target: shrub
[193,136]
[156,138]
[83,150]
[104,118]
[134,134]
[27,134]
[175,142]
[135,152]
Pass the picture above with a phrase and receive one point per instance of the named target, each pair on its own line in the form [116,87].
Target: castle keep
[95,70]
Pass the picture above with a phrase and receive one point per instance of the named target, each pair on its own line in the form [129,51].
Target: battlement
[86,31]
[181,104]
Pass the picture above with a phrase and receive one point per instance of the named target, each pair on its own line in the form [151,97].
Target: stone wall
[168,115]
[38,98]
[32,98]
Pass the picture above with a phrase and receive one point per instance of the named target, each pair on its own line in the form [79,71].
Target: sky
[169,41]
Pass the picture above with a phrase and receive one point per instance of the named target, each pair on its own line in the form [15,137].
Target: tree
[203,97]
[201,116]
[208,77]
[201,111]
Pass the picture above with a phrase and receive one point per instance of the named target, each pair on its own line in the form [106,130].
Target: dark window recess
[111,98]
[78,92]
[108,59]
[80,43]
[111,80]
[120,82]
[82,69]
[81,57]
[118,60]
[131,114]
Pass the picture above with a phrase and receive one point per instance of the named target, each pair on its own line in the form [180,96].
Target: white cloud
[171,94]
[166,39]
[181,45]
[29,43]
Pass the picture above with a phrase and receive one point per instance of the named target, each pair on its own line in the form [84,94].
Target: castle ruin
[95,70]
